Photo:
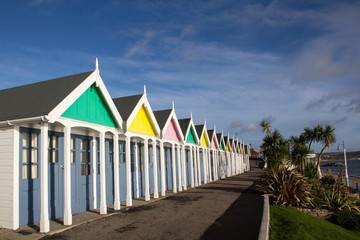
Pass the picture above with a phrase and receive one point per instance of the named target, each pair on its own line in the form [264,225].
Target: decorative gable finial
[191,115]
[97,64]
[173,105]
[145,89]
[205,123]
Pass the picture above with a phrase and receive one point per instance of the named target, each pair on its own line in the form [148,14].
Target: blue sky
[233,63]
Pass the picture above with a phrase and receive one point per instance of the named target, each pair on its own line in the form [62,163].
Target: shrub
[286,187]
[310,170]
[328,180]
[346,220]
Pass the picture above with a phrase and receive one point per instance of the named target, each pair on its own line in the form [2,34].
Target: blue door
[109,171]
[56,174]
[141,161]
[202,166]
[81,177]
[151,170]
[29,174]
[188,167]
[122,170]
[133,175]
[159,167]
[168,168]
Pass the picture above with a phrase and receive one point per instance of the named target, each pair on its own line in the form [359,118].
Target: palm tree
[326,137]
[276,149]
[266,127]
[312,134]
[299,151]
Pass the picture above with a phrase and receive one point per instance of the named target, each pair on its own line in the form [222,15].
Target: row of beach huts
[66,147]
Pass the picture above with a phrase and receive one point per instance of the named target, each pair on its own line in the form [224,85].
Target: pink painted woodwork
[213,143]
[171,133]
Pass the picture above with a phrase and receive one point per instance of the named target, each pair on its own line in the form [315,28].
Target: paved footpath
[225,209]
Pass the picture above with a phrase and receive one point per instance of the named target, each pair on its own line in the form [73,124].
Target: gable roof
[129,107]
[184,124]
[199,130]
[210,133]
[126,105]
[162,117]
[37,99]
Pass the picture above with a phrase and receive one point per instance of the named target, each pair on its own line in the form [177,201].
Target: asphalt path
[225,209]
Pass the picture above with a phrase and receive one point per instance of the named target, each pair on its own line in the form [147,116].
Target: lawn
[289,223]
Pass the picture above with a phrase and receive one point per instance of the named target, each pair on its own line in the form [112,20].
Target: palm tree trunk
[319,159]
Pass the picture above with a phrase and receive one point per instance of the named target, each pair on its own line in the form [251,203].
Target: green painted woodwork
[222,145]
[191,136]
[91,107]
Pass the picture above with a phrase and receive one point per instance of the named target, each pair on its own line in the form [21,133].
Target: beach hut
[48,133]
[222,155]
[214,154]
[191,142]
[203,152]
[141,135]
[173,139]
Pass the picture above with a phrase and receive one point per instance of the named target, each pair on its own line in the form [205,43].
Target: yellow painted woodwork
[228,147]
[142,123]
[203,140]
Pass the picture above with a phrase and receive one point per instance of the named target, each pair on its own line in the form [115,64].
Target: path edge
[265,221]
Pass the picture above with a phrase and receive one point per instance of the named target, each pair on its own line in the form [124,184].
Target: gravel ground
[225,209]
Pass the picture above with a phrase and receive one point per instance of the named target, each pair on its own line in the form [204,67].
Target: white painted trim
[116,172]
[44,193]
[143,101]
[16,176]
[179,167]
[178,128]
[173,168]
[155,169]
[128,172]
[94,77]
[103,207]
[162,168]
[67,176]
[146,164]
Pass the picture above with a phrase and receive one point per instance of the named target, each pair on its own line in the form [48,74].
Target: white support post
[94,170]
[67,176]
[191,167]
[146,164]
[199,165]
[136,160]
[179,167]
[128,172]
[173,167]
[103,207]
[116,173]
[162,166]
[184,167]
[44,203]
[155,167]
[203,153]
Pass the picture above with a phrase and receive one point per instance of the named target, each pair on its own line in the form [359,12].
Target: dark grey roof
[199,129]
[184,124]
[37,99]
[210,133]
[162,116]
[125,105]
[225,140]
[218,135]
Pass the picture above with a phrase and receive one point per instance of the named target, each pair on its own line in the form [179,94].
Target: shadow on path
[241,220]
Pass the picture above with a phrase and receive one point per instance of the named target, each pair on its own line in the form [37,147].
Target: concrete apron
[244,182]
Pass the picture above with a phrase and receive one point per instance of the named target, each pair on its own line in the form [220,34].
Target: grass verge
[289,223]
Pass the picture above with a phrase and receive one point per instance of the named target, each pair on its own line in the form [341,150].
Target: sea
[353,167]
